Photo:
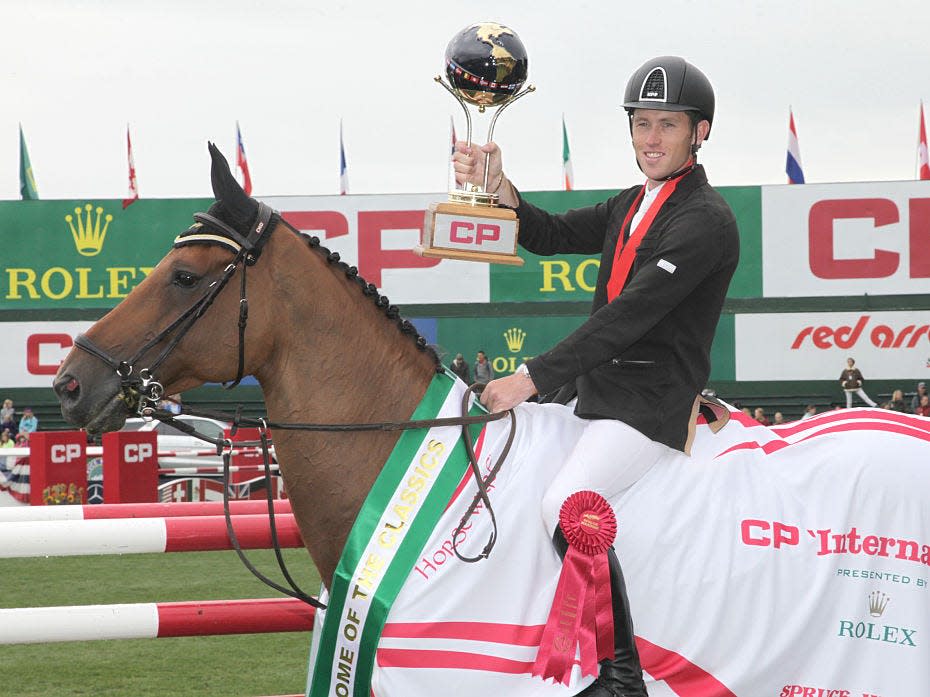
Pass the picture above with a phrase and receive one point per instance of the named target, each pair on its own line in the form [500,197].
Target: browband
[223,234]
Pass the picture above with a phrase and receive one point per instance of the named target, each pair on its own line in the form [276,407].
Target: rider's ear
[227,190]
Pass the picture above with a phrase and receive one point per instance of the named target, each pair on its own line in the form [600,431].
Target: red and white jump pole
[199,470]
[106,511]
[35,625]
[67,538]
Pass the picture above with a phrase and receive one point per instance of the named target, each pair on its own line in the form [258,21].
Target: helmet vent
[655,87]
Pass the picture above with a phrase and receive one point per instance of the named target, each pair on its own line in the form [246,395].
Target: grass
[227,666]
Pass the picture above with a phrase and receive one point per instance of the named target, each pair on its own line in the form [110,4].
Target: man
[484,373]
[460,368]
[638,364]
[921,391]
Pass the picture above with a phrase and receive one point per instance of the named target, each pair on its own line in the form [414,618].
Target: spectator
[6,441]
[746,411]
[851,381]
[483,371]
[29,423]
[924,408]
[896,403]
[8,416]
[760,417]
[171,404]
[460,368]
[778,419]
[921,391]
[809,411]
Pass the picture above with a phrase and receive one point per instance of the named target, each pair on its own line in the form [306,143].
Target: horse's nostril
[67,387]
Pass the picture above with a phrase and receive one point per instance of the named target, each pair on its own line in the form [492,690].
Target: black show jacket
[644,357]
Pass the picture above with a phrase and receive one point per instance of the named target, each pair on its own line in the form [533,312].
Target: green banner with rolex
[84,254]
[89,253]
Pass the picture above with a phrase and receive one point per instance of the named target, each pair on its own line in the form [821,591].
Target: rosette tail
[590,613]
[621,676]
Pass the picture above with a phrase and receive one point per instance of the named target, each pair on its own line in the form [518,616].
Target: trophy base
[473,198]
[470,232]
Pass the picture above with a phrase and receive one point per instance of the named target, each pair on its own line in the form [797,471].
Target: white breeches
[862,395]
[608,458]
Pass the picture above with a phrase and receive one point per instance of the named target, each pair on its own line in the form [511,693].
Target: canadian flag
[923,163]
[242,163]
[133,186]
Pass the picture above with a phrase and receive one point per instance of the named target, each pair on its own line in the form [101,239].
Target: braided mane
[371,290]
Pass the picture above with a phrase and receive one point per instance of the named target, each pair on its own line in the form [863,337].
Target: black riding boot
[622,676]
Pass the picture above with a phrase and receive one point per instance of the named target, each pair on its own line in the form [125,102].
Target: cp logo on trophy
[486,66]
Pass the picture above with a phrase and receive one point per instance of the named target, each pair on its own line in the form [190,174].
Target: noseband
[139,389]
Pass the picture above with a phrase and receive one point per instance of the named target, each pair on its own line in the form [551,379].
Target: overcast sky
[181,73]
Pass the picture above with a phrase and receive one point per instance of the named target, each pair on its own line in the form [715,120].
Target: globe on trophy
[486,66]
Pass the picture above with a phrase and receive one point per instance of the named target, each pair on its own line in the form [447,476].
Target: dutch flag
[793,165]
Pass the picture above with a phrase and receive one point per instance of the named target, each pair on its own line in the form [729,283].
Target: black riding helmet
[670,83]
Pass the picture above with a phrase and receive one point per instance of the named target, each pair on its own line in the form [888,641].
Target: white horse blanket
[790,561]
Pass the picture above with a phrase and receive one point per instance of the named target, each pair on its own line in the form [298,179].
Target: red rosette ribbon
[582,611]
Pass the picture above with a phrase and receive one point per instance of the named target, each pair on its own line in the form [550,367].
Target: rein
[143,392]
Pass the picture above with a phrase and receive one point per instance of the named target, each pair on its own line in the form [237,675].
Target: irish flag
[567,159]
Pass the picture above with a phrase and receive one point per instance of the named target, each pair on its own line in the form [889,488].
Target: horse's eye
[185,279]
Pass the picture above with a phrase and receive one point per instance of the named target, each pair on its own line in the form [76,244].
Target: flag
[133,186]
[923,162]
[793,165]
[343,174]
[567,159]
[242,163]
[27,183]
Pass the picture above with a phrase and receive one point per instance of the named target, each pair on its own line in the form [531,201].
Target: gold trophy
[486,66]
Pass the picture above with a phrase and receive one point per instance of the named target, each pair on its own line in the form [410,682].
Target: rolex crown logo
[878,601]
[88,234]
[514,338]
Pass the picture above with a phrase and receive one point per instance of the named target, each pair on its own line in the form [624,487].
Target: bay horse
[325,347]
[790,560]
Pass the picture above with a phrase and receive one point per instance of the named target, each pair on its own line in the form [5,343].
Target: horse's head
[179,327]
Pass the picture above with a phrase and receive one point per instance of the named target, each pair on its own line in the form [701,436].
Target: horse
[772,561]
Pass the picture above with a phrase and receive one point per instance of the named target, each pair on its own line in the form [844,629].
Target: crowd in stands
[917,402]
[15,433]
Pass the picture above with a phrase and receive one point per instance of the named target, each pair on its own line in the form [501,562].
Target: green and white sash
[392,527]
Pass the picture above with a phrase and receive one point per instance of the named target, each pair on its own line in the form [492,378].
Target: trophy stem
[461,102]
[482,197]
[497,113]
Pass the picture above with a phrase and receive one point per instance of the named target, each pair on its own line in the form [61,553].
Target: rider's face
[662,141]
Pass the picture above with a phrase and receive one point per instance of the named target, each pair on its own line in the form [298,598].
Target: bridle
[141,391]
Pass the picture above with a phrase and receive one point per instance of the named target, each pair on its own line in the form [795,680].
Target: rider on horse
[637,366]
